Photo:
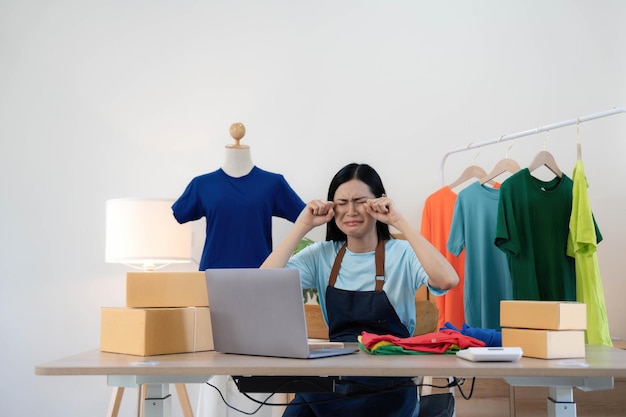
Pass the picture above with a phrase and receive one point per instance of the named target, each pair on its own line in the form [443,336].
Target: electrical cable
[467,397]
[232,407]
[373,391]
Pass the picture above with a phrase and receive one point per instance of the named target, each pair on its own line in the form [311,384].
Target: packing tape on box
[195,326]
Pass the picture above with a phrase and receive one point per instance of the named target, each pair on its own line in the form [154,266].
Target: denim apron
[350,313]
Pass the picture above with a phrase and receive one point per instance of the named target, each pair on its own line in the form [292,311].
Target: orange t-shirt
[436,222]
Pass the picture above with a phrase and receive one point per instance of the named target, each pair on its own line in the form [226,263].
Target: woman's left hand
[383,209]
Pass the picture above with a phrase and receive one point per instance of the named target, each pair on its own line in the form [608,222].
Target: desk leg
[118,393]
[561,396]
[183,398]
[511,401]
[116,401]
[158,401]
[561,402]
[141,400]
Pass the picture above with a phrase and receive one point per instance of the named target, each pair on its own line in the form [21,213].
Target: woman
[366,281]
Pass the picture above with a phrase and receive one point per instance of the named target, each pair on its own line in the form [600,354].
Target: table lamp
[142,233]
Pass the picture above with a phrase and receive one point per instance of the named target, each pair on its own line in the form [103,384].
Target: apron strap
[335,271]
[379,257]
[380,265]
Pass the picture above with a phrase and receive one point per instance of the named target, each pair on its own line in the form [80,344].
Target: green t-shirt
[532,229]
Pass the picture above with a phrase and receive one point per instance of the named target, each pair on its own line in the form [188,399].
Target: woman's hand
[383,209]
[440,273]
[317,213]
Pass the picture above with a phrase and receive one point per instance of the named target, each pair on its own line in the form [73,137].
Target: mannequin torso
[238,161]
[226,197]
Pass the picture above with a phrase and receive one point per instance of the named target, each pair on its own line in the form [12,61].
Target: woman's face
[350,215]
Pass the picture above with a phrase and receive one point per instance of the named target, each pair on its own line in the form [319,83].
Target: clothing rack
[503,138]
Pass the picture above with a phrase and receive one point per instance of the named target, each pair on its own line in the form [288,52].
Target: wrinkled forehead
[353,190]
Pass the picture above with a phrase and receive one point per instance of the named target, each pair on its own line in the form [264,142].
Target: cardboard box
[166,289]
[545,315]
[546,344]
[155,331]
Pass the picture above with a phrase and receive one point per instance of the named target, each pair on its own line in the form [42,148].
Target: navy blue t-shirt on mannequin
[238,212]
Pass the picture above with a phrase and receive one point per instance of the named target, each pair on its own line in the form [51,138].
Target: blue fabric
[402,402]
[491,337]
[238,214]
[404,274]
[487,279]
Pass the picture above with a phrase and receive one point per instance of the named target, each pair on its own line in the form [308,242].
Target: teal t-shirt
[532,229]
[487,277]
[404,274]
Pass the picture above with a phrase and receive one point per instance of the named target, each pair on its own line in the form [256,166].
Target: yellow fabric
[376,345]
[582,246]
[381,344]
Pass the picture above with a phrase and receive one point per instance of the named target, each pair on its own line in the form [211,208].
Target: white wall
[105,99]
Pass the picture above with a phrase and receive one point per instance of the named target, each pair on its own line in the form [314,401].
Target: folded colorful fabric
[491,337]
[444,341]
[392,349]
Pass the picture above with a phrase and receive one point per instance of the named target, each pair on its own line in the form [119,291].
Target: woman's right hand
[317,213]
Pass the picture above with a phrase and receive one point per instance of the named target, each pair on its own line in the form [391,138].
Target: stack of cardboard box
[544,329]
[165,312]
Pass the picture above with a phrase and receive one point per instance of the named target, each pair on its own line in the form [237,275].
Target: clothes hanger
[504,165]
[472,171]
[545,158]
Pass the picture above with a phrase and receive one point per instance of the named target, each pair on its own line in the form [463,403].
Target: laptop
[261,312]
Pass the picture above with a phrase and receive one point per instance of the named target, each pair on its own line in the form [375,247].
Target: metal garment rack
[503,138]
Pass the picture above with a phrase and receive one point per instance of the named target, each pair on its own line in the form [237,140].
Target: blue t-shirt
[487,277]
[404,274]
[238,214]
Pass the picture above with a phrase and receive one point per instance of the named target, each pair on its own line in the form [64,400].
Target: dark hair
[369,176]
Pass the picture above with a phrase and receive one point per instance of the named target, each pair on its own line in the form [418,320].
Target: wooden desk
[594,372]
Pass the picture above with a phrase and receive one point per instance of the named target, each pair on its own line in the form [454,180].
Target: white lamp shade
[144,231]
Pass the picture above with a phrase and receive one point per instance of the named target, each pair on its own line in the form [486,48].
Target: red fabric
[436,342]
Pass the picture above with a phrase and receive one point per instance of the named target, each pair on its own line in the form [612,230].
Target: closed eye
[359,200]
